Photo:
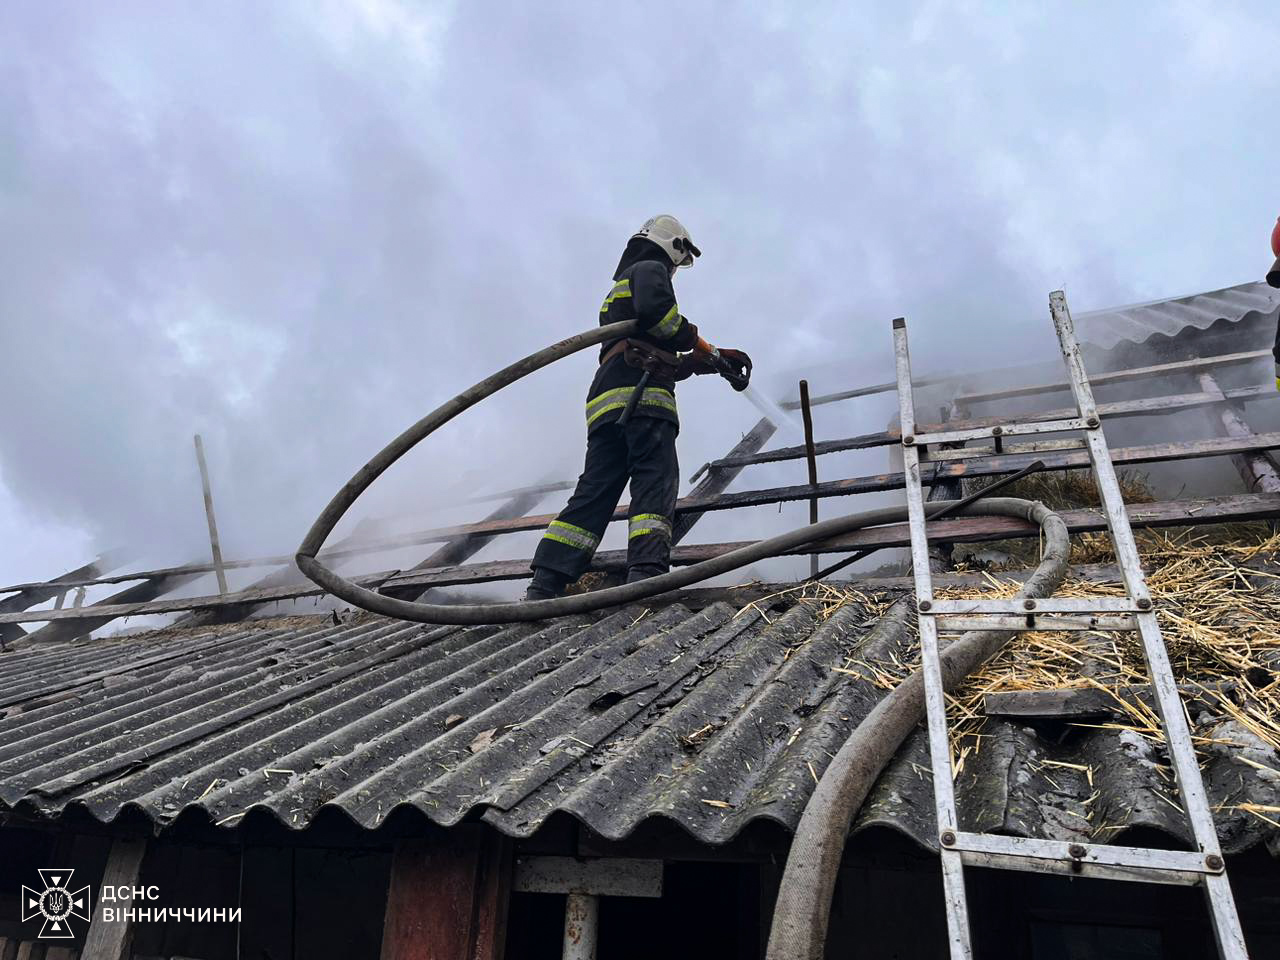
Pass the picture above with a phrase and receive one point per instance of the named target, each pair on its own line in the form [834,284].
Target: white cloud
[296,228]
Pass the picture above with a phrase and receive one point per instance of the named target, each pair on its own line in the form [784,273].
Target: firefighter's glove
[1278,375]
[693,363]
[739,368]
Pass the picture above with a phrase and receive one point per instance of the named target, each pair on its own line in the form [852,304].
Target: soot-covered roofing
[712,719]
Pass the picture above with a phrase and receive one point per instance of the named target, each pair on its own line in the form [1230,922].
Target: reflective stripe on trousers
[643,524]
[571,536]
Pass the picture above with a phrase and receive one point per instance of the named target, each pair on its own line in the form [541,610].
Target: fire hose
[804,900]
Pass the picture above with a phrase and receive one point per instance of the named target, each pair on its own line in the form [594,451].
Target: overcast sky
[297,227]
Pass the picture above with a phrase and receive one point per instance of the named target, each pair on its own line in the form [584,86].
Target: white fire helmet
[668,233]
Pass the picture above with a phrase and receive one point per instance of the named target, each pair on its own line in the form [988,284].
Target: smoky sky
[295,228]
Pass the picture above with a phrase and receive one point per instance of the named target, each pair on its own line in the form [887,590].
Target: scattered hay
[826,597]
[591,581]
[1219,610]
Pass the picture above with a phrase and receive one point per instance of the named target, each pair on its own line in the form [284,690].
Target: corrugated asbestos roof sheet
[1140,322]
[709,719]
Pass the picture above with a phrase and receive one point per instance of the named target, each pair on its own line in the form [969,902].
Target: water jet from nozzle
[774,413]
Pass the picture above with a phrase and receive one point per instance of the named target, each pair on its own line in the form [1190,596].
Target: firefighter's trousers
[643,451]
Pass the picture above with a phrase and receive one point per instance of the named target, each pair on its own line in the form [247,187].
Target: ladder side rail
[935,697]
[1126,547]
[1172,715]
[1168,702]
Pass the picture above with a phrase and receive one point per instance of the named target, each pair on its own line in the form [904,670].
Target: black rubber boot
[643,572]
[546,585]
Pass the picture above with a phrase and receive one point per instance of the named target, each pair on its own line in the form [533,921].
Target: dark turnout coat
[641,290]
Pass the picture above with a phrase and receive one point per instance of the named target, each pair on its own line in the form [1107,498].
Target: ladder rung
[1047,605]
[1003,430]
[1037,622]
[1141,864]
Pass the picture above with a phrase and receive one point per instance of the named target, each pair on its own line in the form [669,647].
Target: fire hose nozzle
[738,374]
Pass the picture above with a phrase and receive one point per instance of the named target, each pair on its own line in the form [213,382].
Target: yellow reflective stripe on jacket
[669,325]
[571,536]
[620,289]
[643,524]
[616,399]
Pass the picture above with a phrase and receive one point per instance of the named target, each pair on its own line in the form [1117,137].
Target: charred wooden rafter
[1170,513]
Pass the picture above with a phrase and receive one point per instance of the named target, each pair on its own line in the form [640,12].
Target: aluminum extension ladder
[958,848]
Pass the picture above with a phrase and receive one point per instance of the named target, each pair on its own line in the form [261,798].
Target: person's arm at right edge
[1273,278]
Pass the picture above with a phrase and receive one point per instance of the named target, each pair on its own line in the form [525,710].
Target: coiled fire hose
[804,900]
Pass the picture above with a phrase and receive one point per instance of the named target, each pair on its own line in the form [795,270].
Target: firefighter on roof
[631,415]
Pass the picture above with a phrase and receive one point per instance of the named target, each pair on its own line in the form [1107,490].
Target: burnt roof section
[1169,318]
[713,720]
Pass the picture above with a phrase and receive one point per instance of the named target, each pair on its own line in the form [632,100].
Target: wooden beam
[706,496]
[1257,470]
[1142,407]
[553,486]
[1242,507]
[965,529]
[1116,376]
[132,609]
[112,940]
[891,385]
[721,473]
[448,897]
[287,575]
[29,596]
[215,546]
[742,594]
[811,461]
[941,552]
[230,613]
[1122,376]
[994,465]
[715,482]
[465,546]
[1076,702]
[85,620]
[982,466]
[744,455]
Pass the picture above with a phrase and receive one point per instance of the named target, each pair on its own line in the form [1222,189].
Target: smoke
[296,228]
